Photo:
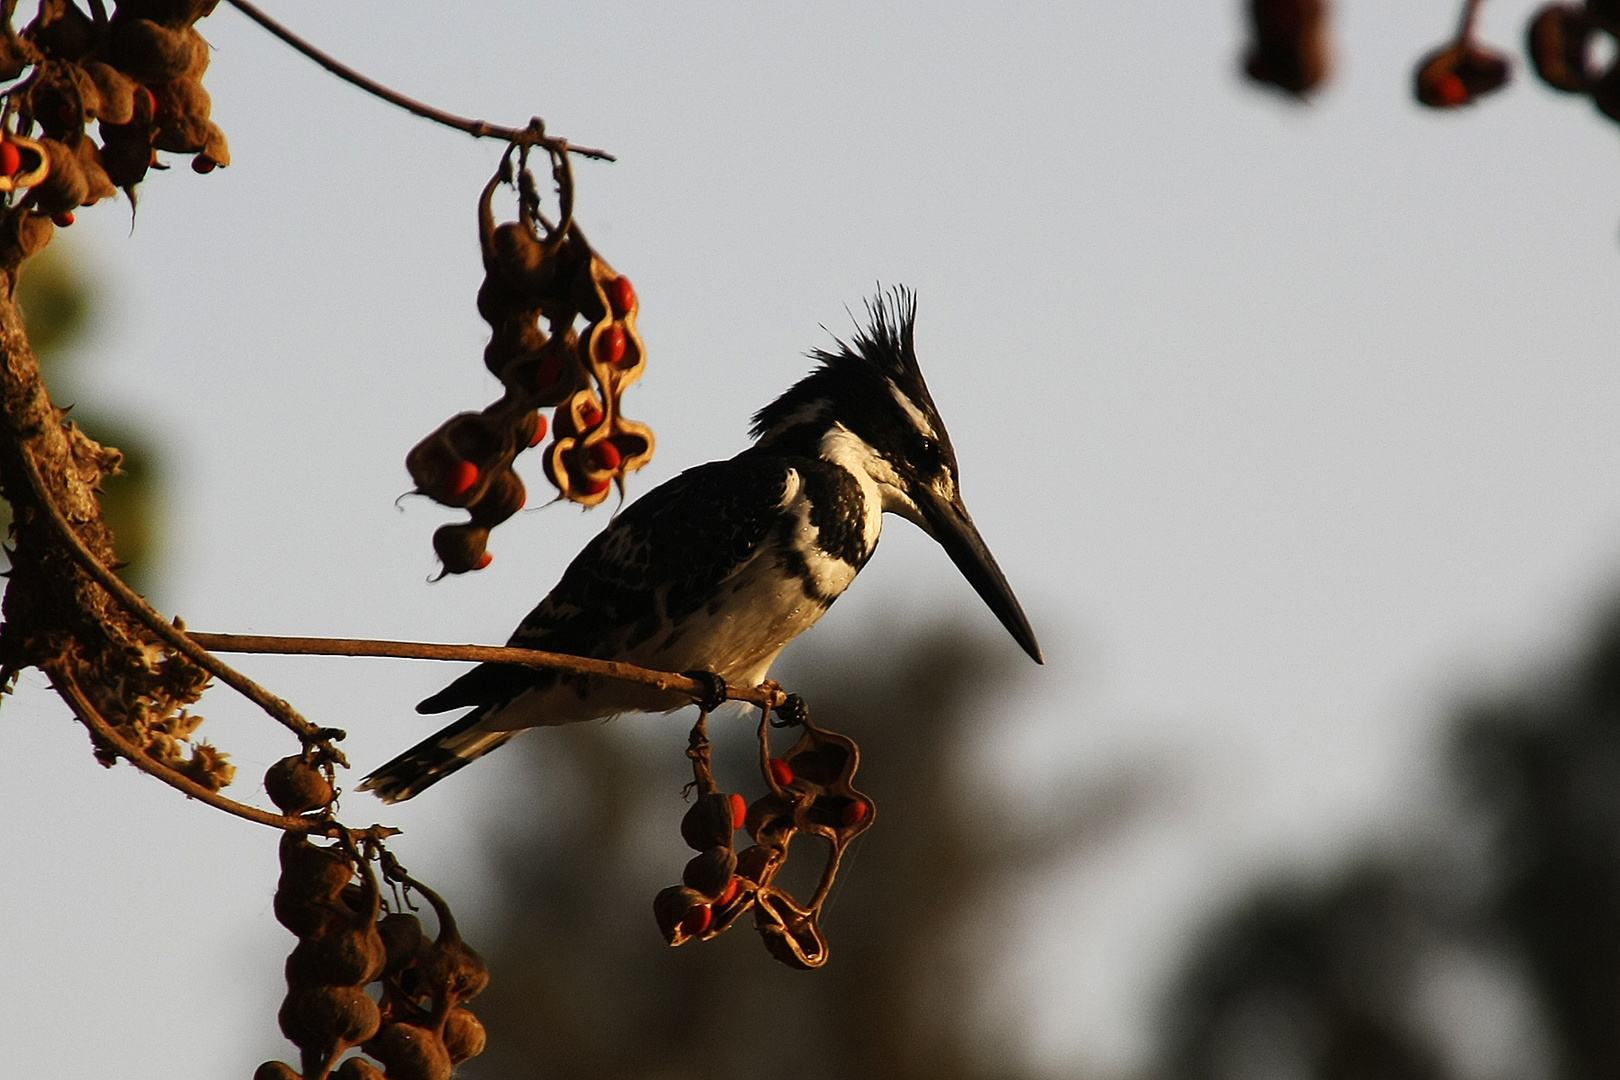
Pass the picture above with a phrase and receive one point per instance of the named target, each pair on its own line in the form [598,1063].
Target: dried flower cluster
[580,362]
[1289,48]
[329,896]
[137,75]
[809,791]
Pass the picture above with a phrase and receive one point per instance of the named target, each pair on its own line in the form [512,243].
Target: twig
[533,135]
[1465,22]
[91,717]
[768,696]
[154,621]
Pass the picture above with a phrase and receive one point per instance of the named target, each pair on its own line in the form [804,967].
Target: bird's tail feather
[434,758]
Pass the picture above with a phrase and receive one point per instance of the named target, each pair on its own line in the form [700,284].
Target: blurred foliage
[583,985]
[1335,981]
[58,305]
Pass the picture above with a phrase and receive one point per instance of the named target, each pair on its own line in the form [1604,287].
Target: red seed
[10,159]
[781,772]
[1450,90]
[697,920]
[549,371]
[203,164]
[64,219]
[539,430]
[739,811]
[484,560]
[151,101]
[596,487]
[604,456]
[622,295]
[591,415]
[461,477]
[610,347]
[854,813]
[729,893]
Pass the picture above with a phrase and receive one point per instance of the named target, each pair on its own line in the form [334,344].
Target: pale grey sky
[1284,422]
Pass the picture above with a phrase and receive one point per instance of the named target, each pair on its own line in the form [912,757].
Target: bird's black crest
[881,350]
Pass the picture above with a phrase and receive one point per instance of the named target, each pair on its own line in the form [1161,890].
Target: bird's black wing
[660,561]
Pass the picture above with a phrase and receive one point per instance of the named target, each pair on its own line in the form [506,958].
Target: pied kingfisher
[718,569]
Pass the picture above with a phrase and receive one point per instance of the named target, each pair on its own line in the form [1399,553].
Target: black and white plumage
[719,568]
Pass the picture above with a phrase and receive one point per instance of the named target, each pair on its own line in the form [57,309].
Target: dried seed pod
[768,818]
[464,1035]
[22,235]
[671,908]
[411,1052]
[503,497]
[183,109]
[711,871]
[358,1068]
[1455,75]
[311,870]
[758,863]
[461,547]
[150,53]
[351,955]
[1290,44]
[115,90]
[324,1019]
[216,152]
[709,822]
[452,971]
[13,61]
[65,187]
[32,165]
[296,786]
[175,14]
[126,150]
[61,30]
[98,184]
[276,1070]
[402,940]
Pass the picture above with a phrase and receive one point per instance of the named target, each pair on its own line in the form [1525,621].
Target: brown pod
[13,61]
[358,1068]
[1290,49]
[758,863]
[296,786]
[708,823]
[503,498]
[22,235]
[61,30]
[126,151]
[519,260]
[97,183]
[65,187]
[711,871]
[312,870]
[183,110]
[321,1018]
[411,1053]
[216,152]
[345,956]
[175,14]
[461,548]
[276,1070]
[670,910]
[1559,42]
[768,818]
[464,1035]
[402,940]
[150,53]
[116,91]
[451,971]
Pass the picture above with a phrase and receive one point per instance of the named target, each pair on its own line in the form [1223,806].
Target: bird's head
[865,407]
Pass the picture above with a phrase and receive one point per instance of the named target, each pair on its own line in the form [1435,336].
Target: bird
[715,571]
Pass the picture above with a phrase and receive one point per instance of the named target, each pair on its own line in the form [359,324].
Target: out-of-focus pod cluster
[562,336]
[1563,44]
[1461,71]
[809,792]
[136,75]
[1289,45]
[417,1027]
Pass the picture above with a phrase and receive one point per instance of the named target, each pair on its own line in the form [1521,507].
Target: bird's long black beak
[950,524]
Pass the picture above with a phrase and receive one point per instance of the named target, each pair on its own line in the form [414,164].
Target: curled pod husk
[175,14]
[790,932]
[503,497]
[759,863]
[708,822]
[115,90]
[61,30]
[126,149]
[150,53]
[453,464]
[216,151]
[326,1019]
[351,955]
[462,548]
[65,186]
[451,972]
[13,61]
[402,940]
[182,115]
[464,1035]
[769,817]
[671,908]
[98,185]
[709,872]
[276,1070]
[34,167]
[358,1068]
[411,1052]
[296,786]
[62,99]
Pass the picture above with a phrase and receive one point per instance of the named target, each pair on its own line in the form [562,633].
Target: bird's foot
[714,689]
[791,713]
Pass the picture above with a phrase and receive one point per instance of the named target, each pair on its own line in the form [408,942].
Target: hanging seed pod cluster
[136,76]
[562,337]
[1563,41]
[810,792]
[417,1027]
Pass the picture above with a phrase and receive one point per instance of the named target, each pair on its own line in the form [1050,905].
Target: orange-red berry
[622,295]
[781,772]
[697,920]
[461,477]
[10,158]
[64,219]
[854,813]
[1450,90]
[739,811]
[591,414]
[729,893]
[539,430]
[604,456]
[611,346]
[484,560]
[202,164]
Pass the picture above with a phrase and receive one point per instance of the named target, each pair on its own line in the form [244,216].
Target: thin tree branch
[91,717]
[767,695]
[154,621]
[533,135]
